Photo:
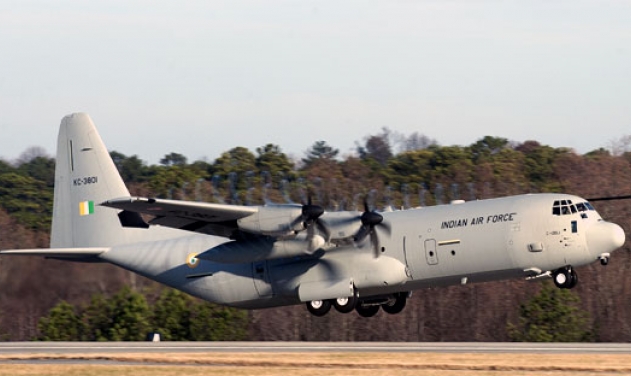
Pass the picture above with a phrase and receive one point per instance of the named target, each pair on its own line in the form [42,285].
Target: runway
[12,348]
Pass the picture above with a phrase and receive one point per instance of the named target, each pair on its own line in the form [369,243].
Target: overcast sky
[202,77]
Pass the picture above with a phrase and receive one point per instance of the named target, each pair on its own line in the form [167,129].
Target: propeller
[310,217]
[370,221]
[610,198]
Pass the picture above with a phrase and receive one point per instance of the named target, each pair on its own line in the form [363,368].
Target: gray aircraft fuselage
[432,246]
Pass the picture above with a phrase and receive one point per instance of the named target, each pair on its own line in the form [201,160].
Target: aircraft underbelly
[173,264]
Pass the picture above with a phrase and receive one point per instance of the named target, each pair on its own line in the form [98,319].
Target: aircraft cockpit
[566,207]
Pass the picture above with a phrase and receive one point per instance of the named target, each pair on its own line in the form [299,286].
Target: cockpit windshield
[566,207]
[584,206]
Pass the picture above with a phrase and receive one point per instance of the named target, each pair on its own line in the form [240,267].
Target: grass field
[338,364]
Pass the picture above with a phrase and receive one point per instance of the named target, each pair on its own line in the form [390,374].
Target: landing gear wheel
[395,306]
[561,278]
[367,310]
[345,305]
[319,307]
[565,278]
[604,261]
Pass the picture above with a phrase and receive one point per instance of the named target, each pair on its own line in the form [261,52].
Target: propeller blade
[374,239]
[361,234]
[324,230]
[611,198]
[370,220]
[386,227]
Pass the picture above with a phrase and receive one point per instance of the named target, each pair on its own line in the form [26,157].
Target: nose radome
[604,237]
[619,236]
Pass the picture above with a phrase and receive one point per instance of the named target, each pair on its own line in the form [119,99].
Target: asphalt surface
[12,348]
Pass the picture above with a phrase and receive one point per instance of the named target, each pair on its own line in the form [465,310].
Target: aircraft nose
[604,237]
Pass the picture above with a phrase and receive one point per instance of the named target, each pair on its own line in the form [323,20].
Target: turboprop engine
[274,220]
[243,251]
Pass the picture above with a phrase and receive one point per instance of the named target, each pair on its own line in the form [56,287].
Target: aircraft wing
[207,218]
[57,253]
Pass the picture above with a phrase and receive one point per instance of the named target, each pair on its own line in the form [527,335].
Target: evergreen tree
[130,316]
[131,169]
[320,150]
[39,168]
[97,319]
[172,315]
[61,324]
[173,159]
[210,322]
[552,315]
[26,199]
[271,158]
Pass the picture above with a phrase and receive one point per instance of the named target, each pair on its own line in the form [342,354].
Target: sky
[202,77]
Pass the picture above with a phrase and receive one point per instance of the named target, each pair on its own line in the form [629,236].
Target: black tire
[561,278]
[345,305]
[319,307]
[565,278]
[573,279]
[395,306]
[367,310]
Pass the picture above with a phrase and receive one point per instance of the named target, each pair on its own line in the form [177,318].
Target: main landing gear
[565,278]
[368,307]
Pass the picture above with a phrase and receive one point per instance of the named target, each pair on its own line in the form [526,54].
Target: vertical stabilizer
[85,176]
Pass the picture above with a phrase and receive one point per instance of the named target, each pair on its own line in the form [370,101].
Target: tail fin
[85,176]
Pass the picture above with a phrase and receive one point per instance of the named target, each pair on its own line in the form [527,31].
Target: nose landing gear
[604,259]
[565,278]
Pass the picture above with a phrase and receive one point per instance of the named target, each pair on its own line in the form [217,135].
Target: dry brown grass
[338,364]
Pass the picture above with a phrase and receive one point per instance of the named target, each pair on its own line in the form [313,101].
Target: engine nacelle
[237,252]
[273,220]
[342,224]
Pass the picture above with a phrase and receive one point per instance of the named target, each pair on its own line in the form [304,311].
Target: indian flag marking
[86,207]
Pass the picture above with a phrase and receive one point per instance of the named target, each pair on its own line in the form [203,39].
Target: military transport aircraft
[274,255]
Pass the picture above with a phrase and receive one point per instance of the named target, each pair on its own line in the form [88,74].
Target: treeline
[128,316]
[390,169]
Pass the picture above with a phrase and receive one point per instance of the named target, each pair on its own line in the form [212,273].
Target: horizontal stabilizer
[56,252]
[205,218]
[207,212]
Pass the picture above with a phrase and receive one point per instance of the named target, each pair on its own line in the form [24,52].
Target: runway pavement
[280,347]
